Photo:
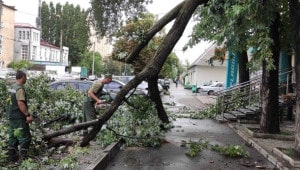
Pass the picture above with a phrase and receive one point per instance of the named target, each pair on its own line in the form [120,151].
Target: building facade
[201,71]
[28,46]
[100,45]
[7,40]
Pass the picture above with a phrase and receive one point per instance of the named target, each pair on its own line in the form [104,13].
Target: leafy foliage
[19,65]
[30,164]
[87,61]
[69,21]
[209,112]
[3,96]
[243,25]
[54,110]
[138,126]
[133,33]
[231,150]
[118,11]
[46,106]
[195,147]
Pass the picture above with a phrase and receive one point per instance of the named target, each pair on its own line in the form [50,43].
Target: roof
[8,6]
[24,25]
[46,44]
[206,55]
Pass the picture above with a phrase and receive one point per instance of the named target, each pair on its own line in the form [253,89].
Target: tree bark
[73,128]
[155,97]
[295,15]
[269,122]
[243,70]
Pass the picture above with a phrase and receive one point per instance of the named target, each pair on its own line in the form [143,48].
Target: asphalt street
[171,155]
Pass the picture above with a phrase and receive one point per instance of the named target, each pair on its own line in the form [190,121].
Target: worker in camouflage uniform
[93,98]
[19,119]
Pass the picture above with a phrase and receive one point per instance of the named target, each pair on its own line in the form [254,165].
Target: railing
[249,93]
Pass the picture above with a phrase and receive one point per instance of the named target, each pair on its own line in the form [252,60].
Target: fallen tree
[182,13]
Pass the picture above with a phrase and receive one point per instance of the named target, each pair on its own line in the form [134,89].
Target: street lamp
[93,66]
[60,40]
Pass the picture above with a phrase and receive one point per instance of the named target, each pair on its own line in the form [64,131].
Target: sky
[27,11]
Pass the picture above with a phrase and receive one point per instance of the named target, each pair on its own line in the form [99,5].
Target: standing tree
[68,22]
[245,24]
[295,18]
[87,61]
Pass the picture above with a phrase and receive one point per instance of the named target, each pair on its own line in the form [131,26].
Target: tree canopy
[131,34]
[108,16]
[70,22]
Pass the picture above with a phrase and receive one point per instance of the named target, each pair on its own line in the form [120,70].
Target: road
[171,155]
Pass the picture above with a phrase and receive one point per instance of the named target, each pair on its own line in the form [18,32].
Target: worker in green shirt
[93,98]
[18,119]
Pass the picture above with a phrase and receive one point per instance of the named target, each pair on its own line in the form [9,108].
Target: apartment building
[7,20]
[101,45]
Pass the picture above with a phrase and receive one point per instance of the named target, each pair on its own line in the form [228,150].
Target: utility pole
[60,40]
[61,46]
[93,66]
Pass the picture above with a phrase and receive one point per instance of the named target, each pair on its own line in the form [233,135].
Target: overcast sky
[27,11]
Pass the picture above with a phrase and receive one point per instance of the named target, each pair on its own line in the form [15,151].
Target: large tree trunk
[269,122]
[73,128]
[155,97]
[295,15]
[154,66]
[243,70]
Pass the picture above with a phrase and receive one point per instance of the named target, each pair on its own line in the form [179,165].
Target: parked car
[210,89]
[82,86]
[92,77]
[115,86]
[124,79]
[8,74]
[143,85]
[165,83]
[79,85]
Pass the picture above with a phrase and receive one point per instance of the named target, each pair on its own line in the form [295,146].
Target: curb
[102,161]
[260,149]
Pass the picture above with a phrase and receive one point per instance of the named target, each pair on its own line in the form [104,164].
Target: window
[28,35]
[35,37]
[24,52]
[23,35]
[45,54]
[20,35]
[34,51]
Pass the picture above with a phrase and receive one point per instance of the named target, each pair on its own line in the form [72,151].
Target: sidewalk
[265,146]
[172,154]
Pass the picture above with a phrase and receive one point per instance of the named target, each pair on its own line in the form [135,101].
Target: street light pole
[60,46]
[60,40]
[93,66]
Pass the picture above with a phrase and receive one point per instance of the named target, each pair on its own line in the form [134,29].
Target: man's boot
[12,153]
[23,154]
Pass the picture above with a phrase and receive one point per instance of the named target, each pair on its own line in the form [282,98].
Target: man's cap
[108,76]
